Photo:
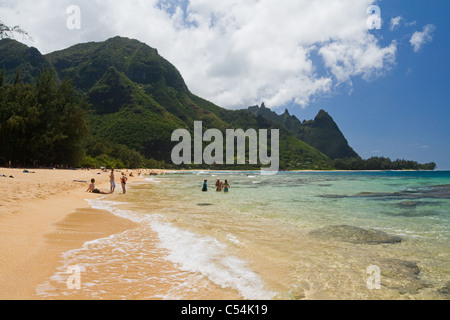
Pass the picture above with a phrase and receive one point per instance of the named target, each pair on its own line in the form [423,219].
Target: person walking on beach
[112,181]
[123,182]
[226,186]
[205,186]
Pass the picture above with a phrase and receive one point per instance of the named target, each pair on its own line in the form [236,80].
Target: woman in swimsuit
[123,182]
[226,186]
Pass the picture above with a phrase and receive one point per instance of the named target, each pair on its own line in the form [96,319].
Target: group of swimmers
[220,186]
[112,181]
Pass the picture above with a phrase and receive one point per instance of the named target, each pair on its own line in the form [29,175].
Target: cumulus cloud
[420,38]
[395,22]
[231,52]
[358,57]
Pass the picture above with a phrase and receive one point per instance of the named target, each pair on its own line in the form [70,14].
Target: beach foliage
[42,122]
[381,163]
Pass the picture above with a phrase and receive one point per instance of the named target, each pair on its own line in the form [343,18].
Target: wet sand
[42,215]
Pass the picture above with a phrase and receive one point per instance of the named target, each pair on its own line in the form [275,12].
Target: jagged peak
[129,41]
[323,114]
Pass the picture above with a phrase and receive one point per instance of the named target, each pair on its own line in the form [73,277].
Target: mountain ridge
[322,133]
[135,99]
[15,56]
[161,89]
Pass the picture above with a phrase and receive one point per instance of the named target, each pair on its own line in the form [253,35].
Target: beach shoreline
[43,214]
[134,246]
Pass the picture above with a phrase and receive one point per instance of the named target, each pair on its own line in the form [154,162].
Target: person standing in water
[226,186]
[219,185]
[205,186]
[112,181]
[123,182]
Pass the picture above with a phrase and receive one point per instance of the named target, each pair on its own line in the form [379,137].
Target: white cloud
[395,22]
[418,39]
[231,52]
[359,57]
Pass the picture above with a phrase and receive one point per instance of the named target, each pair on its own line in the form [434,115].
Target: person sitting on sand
[226,186]
[92,188]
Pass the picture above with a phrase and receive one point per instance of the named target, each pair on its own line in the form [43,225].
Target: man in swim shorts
[111,180]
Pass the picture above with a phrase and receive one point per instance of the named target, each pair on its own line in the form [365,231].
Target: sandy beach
[43,214]
[175,245]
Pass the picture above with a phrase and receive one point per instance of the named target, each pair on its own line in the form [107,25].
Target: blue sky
[404,114]
[387,88]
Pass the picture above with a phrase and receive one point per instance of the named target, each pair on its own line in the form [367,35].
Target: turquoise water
[296,235]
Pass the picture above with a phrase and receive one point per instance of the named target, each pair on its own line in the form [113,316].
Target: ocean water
[296,235]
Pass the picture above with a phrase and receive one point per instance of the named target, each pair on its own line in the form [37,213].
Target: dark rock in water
[445,290]
[410,195]
[401,268]
[409,204]
[402,276]
[355,235]
[411,213]
[333,196]
[413,209]
[416,204]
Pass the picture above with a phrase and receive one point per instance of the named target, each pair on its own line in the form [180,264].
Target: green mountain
[136,99]
[321,133]
[17,58]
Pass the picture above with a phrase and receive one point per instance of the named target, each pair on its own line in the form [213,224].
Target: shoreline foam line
[196,253]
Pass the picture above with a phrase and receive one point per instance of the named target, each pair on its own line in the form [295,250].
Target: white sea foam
[233,239]
[110,206]
[207,256]
[154,180]
[197,254]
